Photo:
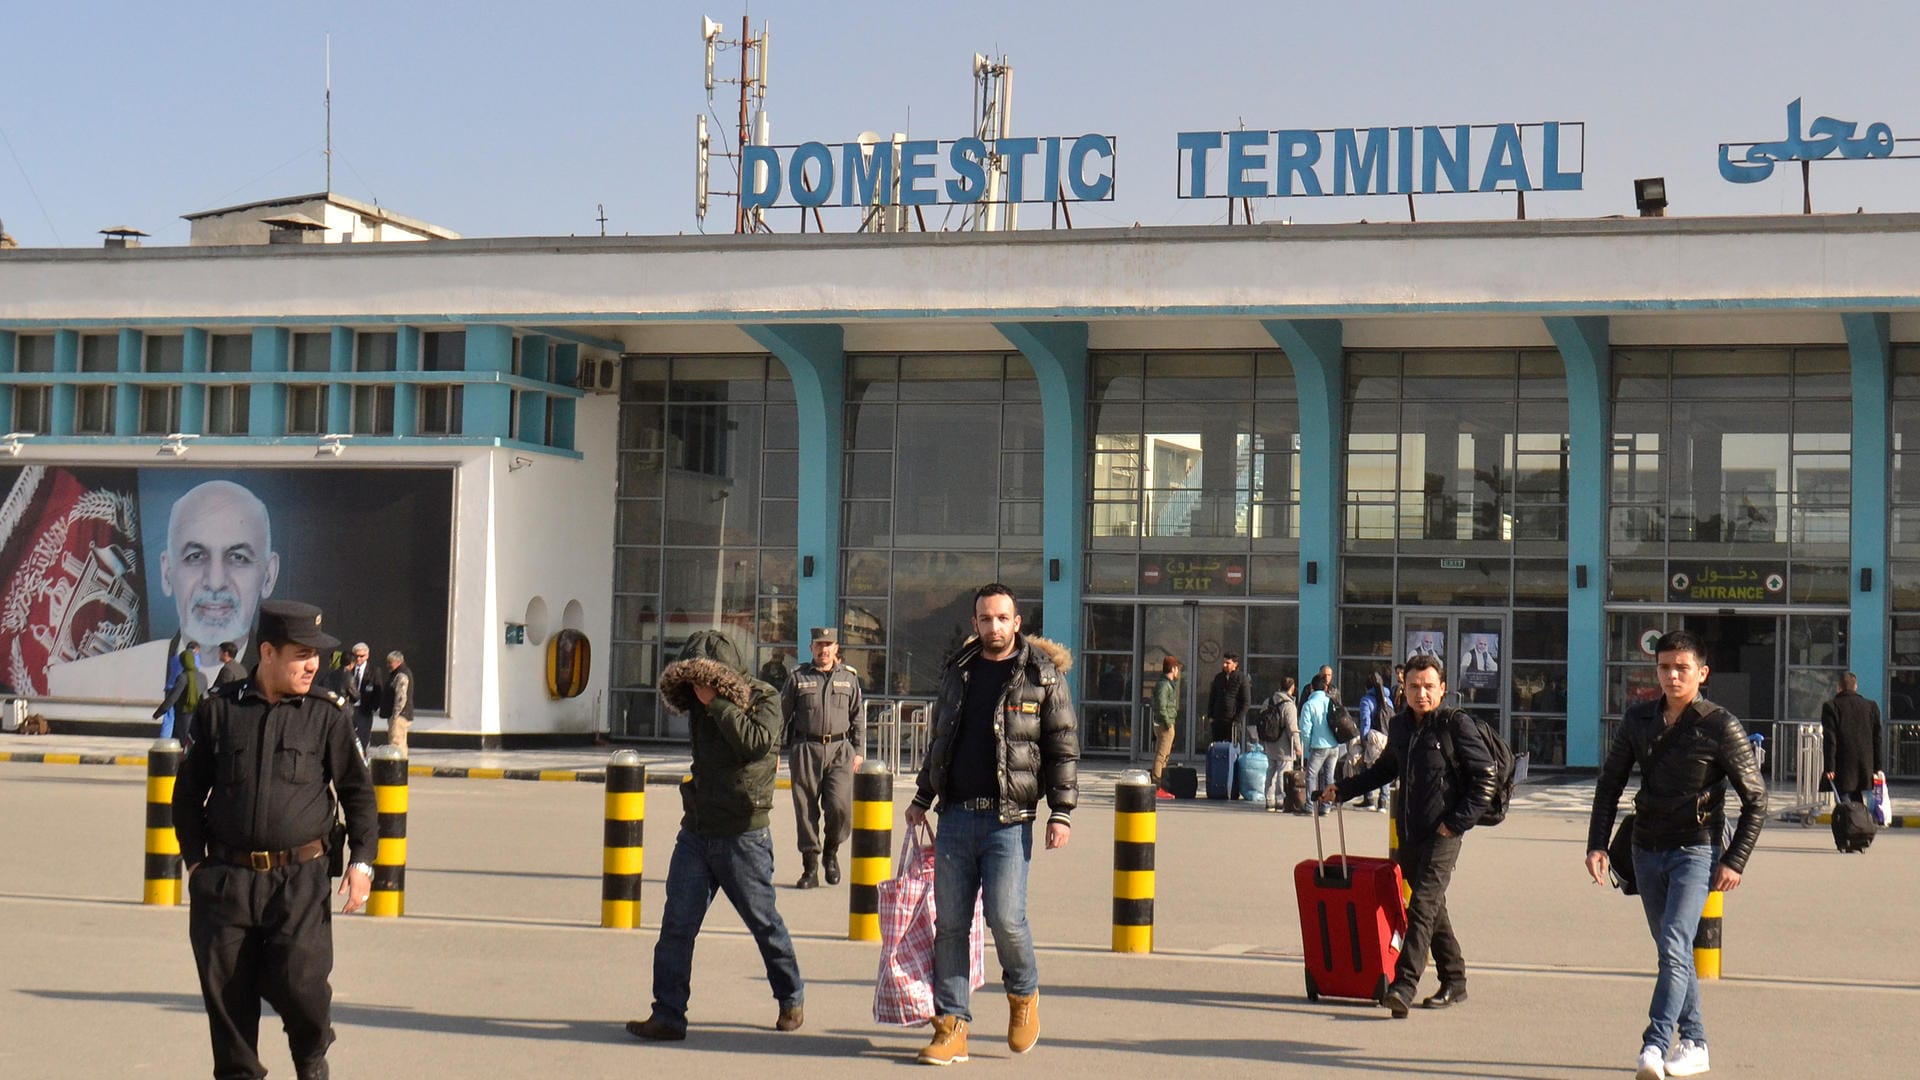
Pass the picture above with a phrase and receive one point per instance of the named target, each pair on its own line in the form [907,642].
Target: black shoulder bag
[1620,851]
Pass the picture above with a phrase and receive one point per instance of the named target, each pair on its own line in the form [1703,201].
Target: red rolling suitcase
[1352,920]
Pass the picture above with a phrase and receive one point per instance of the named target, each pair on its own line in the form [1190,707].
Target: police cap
[824,634]
[284,622]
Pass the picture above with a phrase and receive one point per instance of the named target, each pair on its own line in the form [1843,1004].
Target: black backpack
[1271,715]
[1504,768]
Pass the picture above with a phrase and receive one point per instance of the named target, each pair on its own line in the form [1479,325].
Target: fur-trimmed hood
[708,659]
[1059,655]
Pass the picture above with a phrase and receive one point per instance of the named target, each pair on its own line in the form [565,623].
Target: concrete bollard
[872,848]
[389,895]
[624,841]
[163,846]
[1706,939]
[1135,831]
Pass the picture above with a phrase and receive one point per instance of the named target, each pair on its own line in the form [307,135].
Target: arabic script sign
[1201,574]
[1826,137]
[1727,582]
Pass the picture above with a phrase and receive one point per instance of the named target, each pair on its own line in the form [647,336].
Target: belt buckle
[826,740]
[260,860]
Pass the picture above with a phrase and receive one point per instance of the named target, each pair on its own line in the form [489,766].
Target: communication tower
[993,121]
[754,128]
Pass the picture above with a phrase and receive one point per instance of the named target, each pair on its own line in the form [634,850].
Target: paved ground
[500,970]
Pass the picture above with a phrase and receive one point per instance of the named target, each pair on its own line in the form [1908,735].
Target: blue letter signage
[1381,161]
[923,172]
[1825,137]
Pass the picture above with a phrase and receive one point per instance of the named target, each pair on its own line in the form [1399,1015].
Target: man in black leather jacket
[1446,774]
[1688,749]
[1003,736]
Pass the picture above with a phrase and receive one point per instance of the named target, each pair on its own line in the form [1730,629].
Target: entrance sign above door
[1727,582]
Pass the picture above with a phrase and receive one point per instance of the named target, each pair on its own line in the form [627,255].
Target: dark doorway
[1743,661]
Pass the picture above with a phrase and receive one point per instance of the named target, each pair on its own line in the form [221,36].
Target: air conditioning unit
[599,375]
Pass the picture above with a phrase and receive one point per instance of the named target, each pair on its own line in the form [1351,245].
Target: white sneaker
[1653,1064]
[1687,1058]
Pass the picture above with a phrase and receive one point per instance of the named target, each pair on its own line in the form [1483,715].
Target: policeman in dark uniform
[825,731]
[254,809]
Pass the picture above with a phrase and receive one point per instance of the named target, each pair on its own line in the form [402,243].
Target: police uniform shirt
[256,775]
[821,703]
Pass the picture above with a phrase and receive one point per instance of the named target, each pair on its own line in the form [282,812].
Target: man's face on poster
[219,561]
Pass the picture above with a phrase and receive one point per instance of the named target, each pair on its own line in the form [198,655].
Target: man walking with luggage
[1003,735]
[826,730]
[1850,741]
[1446,774]
[1688,749]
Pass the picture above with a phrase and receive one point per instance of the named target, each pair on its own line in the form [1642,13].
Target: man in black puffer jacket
[1446,782]
[1003,736]
[724,843]
[1688,750]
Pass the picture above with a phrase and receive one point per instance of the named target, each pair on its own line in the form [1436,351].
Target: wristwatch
[365,868]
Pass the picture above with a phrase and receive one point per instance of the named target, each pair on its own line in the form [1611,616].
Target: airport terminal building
[1527,446]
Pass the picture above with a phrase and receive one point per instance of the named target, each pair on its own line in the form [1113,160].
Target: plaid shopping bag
[903,989]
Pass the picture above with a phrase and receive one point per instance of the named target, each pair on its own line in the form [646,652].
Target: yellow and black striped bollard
[624,841]
[1135,830]
[872,849]
[389,895]
[1706,940]
[1393,840]
[163,846]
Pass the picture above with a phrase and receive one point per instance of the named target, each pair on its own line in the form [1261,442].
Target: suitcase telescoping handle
[1319,848]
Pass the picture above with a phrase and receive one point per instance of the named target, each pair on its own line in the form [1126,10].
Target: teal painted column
[194,346]
[406,392]
[485,408]
[530,415]
[1872,449]
[1058,353]
[340,392]
[566,372]
[66,361]
[816,360]
[126,395]
[1589,360]
[267,401]
[1313,347]
[9,362]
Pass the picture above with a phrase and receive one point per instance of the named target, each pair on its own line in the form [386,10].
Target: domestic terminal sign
[930,172]
[1727,582]
[1427,160]
[1825,137]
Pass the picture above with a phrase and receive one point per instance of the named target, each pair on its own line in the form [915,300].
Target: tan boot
[1023,1022]
[949,1043]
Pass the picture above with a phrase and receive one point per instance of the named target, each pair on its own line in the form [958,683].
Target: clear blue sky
[504,120]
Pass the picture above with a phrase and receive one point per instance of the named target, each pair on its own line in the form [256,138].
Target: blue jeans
[742,867]
[1323,768]
[1673,890]
[975,855]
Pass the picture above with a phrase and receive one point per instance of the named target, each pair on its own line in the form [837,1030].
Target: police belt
[267,860]
[824,740]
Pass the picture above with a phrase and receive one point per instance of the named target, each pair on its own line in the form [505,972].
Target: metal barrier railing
[897,733]
[1797,760]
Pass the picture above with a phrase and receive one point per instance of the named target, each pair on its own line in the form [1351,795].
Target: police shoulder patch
[338,700]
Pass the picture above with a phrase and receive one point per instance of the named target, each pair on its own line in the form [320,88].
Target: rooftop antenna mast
[755,127]
[329,114]
[992,121]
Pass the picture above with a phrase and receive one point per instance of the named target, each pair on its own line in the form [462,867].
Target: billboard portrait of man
[217,564]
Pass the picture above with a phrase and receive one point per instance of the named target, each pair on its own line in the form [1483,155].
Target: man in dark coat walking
[1850,740]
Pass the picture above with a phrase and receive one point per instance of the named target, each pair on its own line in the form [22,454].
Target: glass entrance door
[1200,635]
[1473,645]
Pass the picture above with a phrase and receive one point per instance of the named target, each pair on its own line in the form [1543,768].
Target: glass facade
[1193,546]
[1903,540]
[1729,515]
[1454,535]
[704,533]
[942,493]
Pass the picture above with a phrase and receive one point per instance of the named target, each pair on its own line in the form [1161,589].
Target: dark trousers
[363,729]
[703,866]
[1222,729]
[1428,867]
[263,934]
[822,787]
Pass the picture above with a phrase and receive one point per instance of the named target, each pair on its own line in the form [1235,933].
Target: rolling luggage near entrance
[1250,775]
[1352,920]
[1181,781]
[1293,791]
[1852,826]
[1221,758]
